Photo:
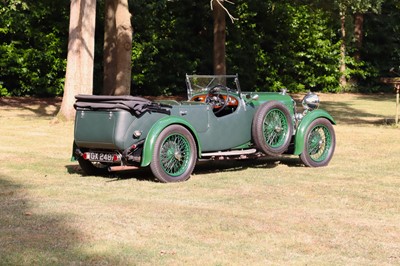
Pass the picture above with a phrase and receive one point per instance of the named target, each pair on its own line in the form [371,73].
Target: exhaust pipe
[122,168]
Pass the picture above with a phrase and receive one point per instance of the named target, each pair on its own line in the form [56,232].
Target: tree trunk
[80,58]
[358,34]
[124,48]
[110,49]
[219,38]
[117,48]
[342,68]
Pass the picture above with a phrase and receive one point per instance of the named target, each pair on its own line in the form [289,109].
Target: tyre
[174,155]
[90,168]
[319,143]
[272,128]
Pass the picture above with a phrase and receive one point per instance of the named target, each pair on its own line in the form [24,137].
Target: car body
[218,121]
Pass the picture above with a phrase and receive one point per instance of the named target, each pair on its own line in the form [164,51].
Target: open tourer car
[217,121]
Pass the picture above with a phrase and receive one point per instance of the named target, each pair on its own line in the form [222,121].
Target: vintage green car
[218,121]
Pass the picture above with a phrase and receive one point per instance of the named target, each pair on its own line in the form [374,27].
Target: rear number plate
[101,157]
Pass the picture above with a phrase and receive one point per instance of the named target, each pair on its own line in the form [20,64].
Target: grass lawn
[265,212]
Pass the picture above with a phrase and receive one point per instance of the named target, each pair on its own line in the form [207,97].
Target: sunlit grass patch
[270,211]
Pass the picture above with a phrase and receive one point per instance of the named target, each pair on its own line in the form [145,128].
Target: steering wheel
[215,98]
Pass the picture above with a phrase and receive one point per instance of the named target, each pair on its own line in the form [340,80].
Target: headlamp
[310,101]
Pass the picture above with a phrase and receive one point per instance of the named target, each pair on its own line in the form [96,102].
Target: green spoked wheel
[275,127]
[174,155]
[319,143]
[272,128]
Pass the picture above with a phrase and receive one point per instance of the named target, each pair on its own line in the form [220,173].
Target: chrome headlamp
[310,101]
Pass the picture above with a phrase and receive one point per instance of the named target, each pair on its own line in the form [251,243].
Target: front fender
[160,125]
[302,128]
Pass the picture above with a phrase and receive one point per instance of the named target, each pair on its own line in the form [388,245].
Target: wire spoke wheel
[275,128]
[174,155]
[320,143]
[272,128]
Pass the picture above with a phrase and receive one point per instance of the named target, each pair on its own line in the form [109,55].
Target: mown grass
[264,212]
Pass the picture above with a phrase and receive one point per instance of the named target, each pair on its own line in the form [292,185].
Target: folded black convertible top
[136,105]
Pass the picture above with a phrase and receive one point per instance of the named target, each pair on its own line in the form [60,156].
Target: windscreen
[197,84]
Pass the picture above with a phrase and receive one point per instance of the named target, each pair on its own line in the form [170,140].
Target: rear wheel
[174,155]
[319,143]
[272,128]
[90,168]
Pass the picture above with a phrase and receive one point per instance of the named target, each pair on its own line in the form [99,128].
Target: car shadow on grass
[141,174]
[201,168]
[209,167]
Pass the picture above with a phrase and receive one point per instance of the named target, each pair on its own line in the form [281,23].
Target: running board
[229,153]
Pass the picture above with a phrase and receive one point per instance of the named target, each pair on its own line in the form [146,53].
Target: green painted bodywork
[157,128]
[114,129]
[212,133]
[304,124]
[111,129]
[271,96]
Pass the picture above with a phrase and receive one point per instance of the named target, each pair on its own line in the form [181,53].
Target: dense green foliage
[382,39]
[273,44]
[292,46]
[33,46]
[171,38]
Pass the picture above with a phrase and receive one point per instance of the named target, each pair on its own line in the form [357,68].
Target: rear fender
[74,157]
[304,124]
[160,125]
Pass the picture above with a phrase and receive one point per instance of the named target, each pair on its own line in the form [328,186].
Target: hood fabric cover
[135,105]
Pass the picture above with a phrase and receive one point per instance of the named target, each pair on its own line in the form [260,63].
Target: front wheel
[272,128]
[174,155]
[319,143]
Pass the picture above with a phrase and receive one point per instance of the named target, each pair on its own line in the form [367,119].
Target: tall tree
[219,50]
[358,34]
[219,37]
[343,7]
[117,48]
[359,8]
[109,48]
[80,58]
